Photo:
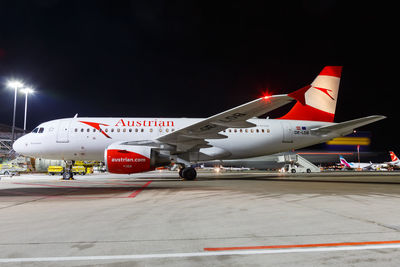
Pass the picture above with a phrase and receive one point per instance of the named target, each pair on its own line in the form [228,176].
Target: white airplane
[133,145]
[395,160]
[357,165]
[361,165]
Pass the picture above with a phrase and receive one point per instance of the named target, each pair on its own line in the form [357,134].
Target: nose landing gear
[68,174]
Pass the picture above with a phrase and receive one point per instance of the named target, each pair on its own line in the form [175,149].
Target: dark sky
[195,58]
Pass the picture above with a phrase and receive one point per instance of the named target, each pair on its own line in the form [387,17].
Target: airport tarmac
[225,219]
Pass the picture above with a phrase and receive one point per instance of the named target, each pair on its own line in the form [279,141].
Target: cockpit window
[35,130]
[41,130]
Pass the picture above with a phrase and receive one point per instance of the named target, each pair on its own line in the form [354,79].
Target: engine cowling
[127,159]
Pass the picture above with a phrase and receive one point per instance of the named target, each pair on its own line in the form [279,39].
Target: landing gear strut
[188,173]
[68,174]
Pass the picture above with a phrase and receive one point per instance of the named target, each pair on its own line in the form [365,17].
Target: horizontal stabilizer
[344,128]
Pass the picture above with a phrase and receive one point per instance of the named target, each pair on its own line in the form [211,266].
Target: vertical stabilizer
[344,162]
[393,156]
[317,101]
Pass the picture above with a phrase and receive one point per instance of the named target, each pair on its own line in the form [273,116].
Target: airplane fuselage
[87,138]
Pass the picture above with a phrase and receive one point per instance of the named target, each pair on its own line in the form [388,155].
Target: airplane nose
[18,146]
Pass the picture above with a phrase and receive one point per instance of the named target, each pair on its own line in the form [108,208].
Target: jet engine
[127,159]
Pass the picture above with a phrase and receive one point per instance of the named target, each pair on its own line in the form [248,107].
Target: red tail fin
[393,156]
[317,102]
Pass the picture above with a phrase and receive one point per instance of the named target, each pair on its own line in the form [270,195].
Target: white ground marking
[197,254]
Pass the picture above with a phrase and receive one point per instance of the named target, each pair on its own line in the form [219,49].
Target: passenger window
[130,130]
[251,130]
[262,130]
[112,130]
[246,131]
[87,130]
[41,130]
[160,130]
[257,130]
[268,131]
[106,130]
[142,130]
[167,130]
[82,130]
[151,130]
[76,129]
[136,130]
[118,130]
[94,130]
[172,129]
[235,131]
[124,130]
[230,130]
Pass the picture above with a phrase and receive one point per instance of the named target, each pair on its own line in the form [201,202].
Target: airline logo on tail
[393,156]
[325,91]
[344,162]
[317,101]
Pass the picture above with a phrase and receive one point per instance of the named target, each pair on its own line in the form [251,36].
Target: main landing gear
[188,173]
[68,174]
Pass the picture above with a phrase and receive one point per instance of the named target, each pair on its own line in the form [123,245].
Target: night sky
[196,58]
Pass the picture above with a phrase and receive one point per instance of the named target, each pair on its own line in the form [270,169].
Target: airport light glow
[14,84]
[27,90]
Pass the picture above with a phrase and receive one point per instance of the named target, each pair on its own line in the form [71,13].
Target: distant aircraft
[395,160]
[358,165]
[133,145]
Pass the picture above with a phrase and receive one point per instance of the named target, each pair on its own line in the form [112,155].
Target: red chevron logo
[325,91]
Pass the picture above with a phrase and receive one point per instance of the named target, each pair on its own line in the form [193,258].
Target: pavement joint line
[199,254]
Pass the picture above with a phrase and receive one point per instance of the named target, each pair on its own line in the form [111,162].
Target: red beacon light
[266,96]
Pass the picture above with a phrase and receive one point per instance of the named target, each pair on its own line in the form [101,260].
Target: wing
[343,128]
[193,136]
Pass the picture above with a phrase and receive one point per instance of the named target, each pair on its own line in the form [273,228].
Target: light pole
[15,85]
[26,91]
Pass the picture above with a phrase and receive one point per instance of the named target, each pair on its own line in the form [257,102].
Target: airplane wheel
[293,171]
[308,171]
[189,173]
[68,176]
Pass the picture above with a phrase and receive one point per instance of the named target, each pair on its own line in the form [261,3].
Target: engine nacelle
[127,159]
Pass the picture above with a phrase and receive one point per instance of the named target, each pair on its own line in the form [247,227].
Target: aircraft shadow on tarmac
[272,184]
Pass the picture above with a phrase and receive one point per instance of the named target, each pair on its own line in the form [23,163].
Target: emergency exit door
[287,135]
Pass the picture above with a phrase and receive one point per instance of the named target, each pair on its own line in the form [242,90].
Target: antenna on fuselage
[76,116]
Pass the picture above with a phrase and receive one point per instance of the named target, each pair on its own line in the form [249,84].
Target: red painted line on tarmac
[137,192]
[132,195]
[306,245]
